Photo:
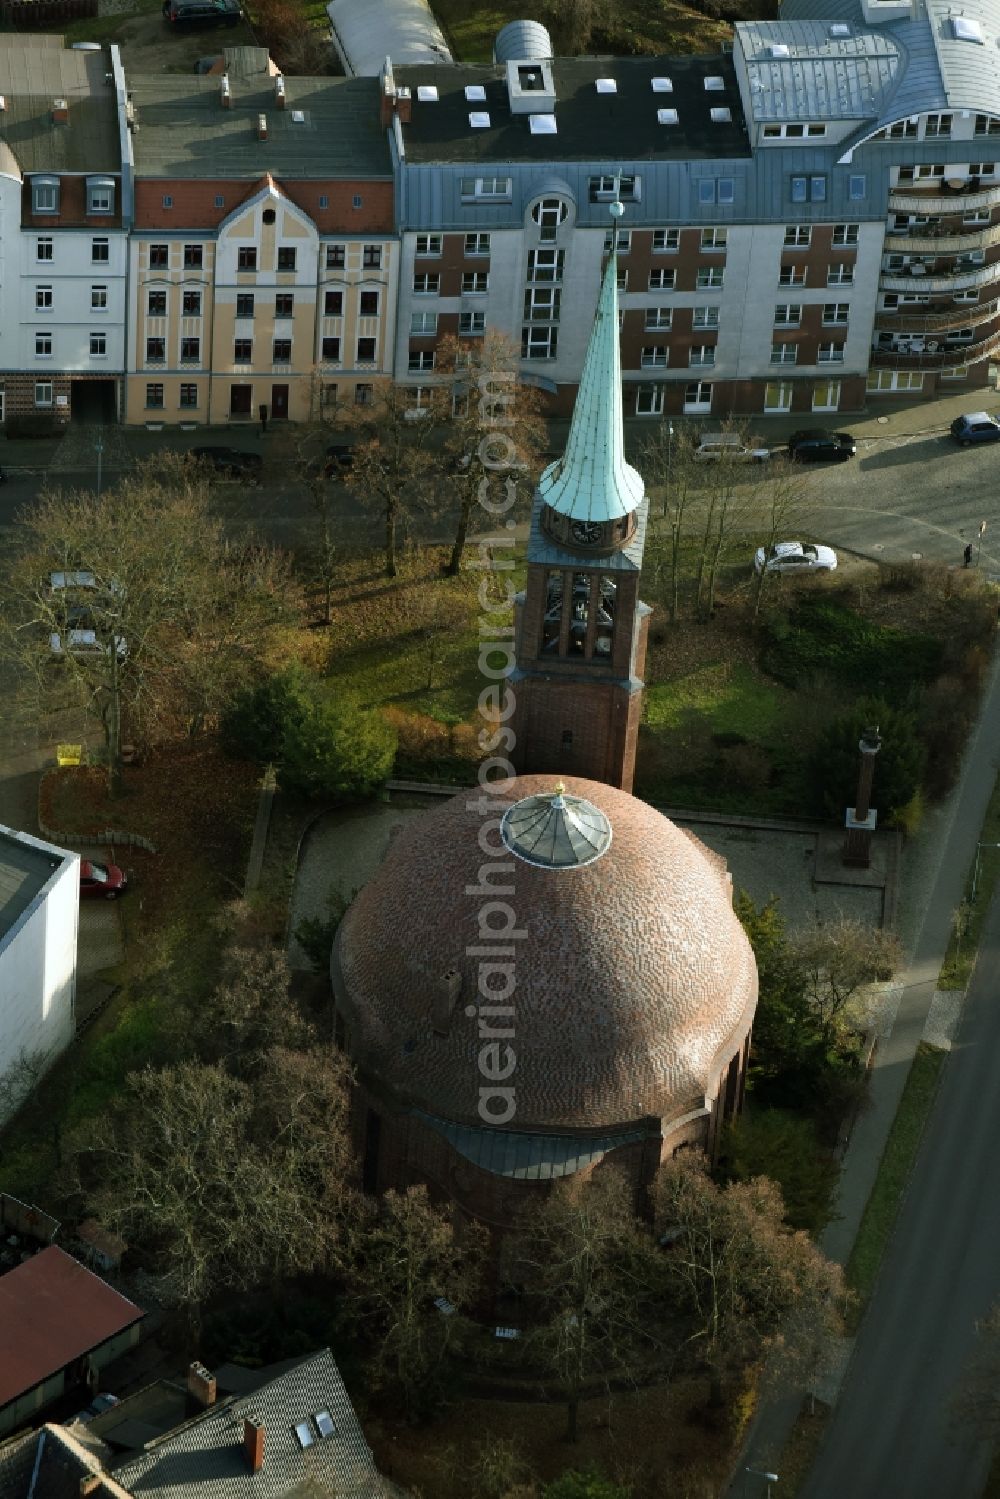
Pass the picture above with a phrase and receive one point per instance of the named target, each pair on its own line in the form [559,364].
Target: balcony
[943,199]
[945,281]
[959,316]
[940,358]
[939,240]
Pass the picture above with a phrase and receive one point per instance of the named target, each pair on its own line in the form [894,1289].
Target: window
[777,396]
[654,356]
[100,251]
[364,395]
[98,299]
[246,258]
[784,353]
[846,234]
[371,258]
[244,304]
[857,189]
[649,400]
[336,257]
[43,345]
[706,190]
[830,353]
[286,258]
[840,275]
[894,380]
[485,187]
[698,397]
[154,397]
[545,265]
[43,248]
[43,392]
[701,355]
[333,304]
[423,322]
[622,241]
[826,396]
[98,345]
[726,190]
[100,195]
[797,236]
[366,351]
[476,282]
[420,360]
[548,214]
[45,194]
[418,399]
[477,244]
[190,350]
[658,318]
[425,285]
[330,350]
[191,304]
[621,281]
[156,350]
[220,201]
[242,350]
[43,298]
[901,130]
[357,200]
[662,280]
[281,350]
[709,277]
[665,241]
[156,304]
[705,317]
[284,305]
[713,239]
[188,396]
[541,304]
[787,315]
[193,257]
[987,125]
[158,257]
[539,342]
[793,132]
[607,189]
[792,275]
[368,303]
[835,312]
[937,126]
[807,189]
[430,244]
[472,322]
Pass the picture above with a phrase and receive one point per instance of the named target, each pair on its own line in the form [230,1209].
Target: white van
[713,445]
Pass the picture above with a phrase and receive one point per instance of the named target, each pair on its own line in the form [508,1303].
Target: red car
[101,879]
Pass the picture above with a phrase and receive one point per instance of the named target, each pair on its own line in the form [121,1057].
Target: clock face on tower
[586,533]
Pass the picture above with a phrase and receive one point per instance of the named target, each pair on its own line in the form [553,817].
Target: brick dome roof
[634,981]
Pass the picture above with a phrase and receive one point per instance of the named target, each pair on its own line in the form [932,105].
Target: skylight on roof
[968,30]
[427,93]
[666,117]
[606,86]
[324,1423]
[779,49]
[542,124]
[479,119]
[714,84]
[663,85]
[475,93]
[304,1433]
[298,117]
[839,29]
[721,116]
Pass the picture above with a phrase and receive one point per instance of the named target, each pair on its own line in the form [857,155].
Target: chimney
[449,987]
[404,104]
[262,127]
[253,1445]
[279,92]
[90,1484]
[201,1385]
[60,112]
[224,92]
[388,94]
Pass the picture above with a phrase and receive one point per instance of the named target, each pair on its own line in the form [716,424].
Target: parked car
[106,881]
[186,14]
[716,445]
[230,463]
[82,640]
[205,64]
[339,460]
[821,447]
[795,557]
[97,1407]
[975,426]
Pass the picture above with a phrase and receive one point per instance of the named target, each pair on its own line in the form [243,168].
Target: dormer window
[45,194]
[606,189]
[100,195]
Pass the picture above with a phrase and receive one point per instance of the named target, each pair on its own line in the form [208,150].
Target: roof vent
[475,93]
[721,116]
[225,92]
[530,87]
[262,127]
[479,119]
[298,116]
[663,85]
[666,117]
[606,86]
[60,112]
[279,91]
[427,93]
[839,29]
[714,84]
[779,49]
[967,30]
[543,125]
[446,996]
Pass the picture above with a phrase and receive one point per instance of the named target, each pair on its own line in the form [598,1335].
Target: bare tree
[667,463]
[975,1407]
[840,961]
[394,469]
[778,507]
[725,504]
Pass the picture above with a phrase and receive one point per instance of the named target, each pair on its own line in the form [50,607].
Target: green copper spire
[592,481]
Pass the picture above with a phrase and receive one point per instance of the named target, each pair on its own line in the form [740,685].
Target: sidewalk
[933,889]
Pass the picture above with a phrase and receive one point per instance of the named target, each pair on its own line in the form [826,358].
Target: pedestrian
[967,554]
[263,419]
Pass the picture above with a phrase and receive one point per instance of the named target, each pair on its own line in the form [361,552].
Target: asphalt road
[891,1433]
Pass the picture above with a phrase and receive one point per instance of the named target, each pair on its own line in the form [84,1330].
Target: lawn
[654,27]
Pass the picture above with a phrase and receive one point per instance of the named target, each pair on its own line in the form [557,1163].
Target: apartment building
[262,258]
[65,200]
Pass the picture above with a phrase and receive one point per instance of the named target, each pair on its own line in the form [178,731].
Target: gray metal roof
[819,77]
[26,866]
[365,34]
[528,1157]
[521,41]
[34,72]
[183,129]
[205,1456]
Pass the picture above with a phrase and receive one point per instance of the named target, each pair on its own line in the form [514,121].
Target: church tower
[581,626]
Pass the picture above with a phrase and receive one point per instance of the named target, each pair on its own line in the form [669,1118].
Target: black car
[339,460]
[186,14]
[821,447]
[231,463]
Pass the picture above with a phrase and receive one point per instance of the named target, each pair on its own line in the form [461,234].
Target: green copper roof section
[592,481]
